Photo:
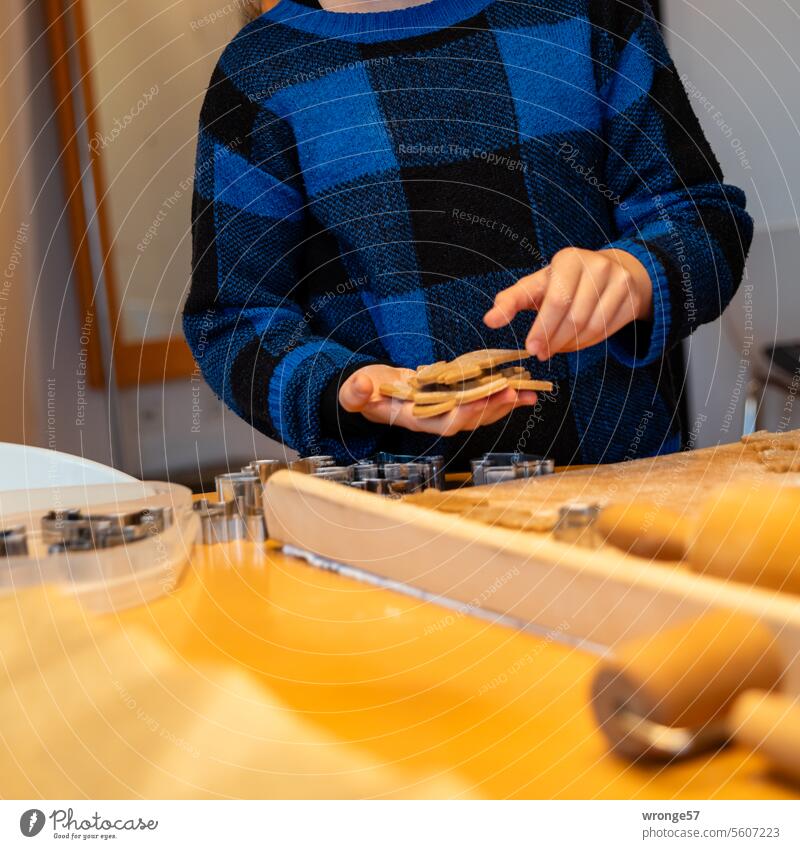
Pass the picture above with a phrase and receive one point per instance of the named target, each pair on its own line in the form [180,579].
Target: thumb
[356,393]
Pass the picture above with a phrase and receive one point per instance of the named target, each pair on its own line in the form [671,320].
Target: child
[381,189]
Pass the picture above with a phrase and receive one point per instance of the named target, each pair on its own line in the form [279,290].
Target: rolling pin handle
[769,723]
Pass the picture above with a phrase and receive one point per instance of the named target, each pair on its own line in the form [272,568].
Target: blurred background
[100,101]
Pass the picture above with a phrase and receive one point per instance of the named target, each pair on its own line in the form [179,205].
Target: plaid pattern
[366,184]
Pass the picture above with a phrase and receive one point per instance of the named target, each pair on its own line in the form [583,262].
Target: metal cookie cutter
[305,465]
[363,470]
[13,541]
[406,471]
[533,468]
[339,474]
[150,519]
[394,488]
[484,473]
[310,465]
[73,530]
[498,467]
[215,520]
[576,524]
[245,490]
[430,469]
[434,464]
[265,469]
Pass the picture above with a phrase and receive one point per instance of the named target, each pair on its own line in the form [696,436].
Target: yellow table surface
[261,677]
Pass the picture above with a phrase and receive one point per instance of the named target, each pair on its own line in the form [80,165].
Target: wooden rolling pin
[645,530]
[745,534]
[769,723]
[685,679]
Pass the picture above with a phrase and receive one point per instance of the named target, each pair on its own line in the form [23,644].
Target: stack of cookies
[438,388]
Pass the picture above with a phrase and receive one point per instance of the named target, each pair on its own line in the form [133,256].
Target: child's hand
[582,298]
[359,394]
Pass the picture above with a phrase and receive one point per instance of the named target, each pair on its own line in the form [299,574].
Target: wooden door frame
[127,363]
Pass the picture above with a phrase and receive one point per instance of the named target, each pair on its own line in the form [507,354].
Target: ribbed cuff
[643,343]
[296,386]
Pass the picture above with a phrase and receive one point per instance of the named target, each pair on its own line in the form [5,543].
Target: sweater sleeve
[676,216]
[245,323]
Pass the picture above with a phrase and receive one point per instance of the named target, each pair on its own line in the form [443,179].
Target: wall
[16,262]
[150,431]
[740,60]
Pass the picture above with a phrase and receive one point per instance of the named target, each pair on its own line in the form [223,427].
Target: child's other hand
[359,394]
[582,298]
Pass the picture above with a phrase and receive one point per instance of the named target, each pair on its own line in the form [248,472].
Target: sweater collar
[308,16]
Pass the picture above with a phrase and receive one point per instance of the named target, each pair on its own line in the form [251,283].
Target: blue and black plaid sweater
[367,182]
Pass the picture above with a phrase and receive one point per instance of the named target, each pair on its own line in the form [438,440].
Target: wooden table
[261,677]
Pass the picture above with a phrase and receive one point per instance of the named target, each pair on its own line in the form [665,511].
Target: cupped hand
[360,394]
[582,298]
